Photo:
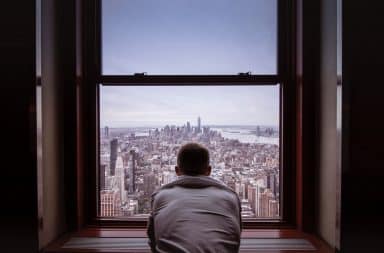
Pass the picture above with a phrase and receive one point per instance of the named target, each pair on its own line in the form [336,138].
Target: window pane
[190,37]
[143,127]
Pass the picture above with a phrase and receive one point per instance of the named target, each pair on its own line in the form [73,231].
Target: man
[194,213]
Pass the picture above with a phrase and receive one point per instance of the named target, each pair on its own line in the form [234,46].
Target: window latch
[140,74]
[245,73]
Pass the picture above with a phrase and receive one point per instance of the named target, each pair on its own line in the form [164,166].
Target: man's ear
[208,171]
[178,171]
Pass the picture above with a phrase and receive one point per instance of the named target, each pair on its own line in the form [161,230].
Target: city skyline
[135,162]
[156,106]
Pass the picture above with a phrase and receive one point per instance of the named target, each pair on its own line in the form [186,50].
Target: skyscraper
[265,198]
[254,198]
[109,203]
[198,130]
[132,171]
[113,156]
[106,132]
[188,127]
[273,208]
[102,176]
[149,184]
[258,131]
[120,178]
[271,182]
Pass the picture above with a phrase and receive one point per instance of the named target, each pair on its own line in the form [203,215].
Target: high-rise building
[258,131]
[254,198]
[102,176]
[188,127]
[238,189]
[271,182]
[113,156]
[110,203]
[126,157]
[198,129]
[132,172]
[273,208]
[106,132]
[120,178]
[149,184]
[206,130]
[167,130]
[265,198]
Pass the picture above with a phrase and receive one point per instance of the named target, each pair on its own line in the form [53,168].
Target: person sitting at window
[194,213]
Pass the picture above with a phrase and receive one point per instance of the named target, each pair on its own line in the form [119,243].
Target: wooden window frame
[291,118]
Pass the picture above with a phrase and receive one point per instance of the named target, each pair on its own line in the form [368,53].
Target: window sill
[253,240]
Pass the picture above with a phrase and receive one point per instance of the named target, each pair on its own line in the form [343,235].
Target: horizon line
[209,125]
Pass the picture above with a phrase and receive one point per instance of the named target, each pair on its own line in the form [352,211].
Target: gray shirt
[195,214]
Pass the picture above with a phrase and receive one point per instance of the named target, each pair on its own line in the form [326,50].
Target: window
[174,71]
[142,128]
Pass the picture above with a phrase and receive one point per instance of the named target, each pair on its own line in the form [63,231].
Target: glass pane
[142,128]
[189,37]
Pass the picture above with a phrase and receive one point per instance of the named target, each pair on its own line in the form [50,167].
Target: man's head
[193,160]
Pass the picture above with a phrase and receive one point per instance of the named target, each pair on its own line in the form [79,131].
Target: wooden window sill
[264,240]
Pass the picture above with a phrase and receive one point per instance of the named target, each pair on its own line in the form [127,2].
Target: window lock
[140,74]
[245,73]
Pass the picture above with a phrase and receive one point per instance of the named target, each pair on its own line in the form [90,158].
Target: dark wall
[18,185]
[363,127]
[58,118]
[308,75]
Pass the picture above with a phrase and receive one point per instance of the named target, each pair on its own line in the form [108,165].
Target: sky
[189,37]
[135,106]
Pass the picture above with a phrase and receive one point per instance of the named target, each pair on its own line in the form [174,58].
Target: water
[245,136]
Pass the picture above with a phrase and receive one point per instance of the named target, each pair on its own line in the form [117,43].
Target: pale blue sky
[189,36]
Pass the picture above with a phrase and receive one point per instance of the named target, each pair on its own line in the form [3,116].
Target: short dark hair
[193,159]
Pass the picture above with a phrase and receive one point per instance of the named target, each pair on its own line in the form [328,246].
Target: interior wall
[308,76]
[18,212]
[326,200]
[59,114]
[53,214]
[362,191]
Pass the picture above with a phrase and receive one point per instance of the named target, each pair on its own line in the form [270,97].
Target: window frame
[89,128]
